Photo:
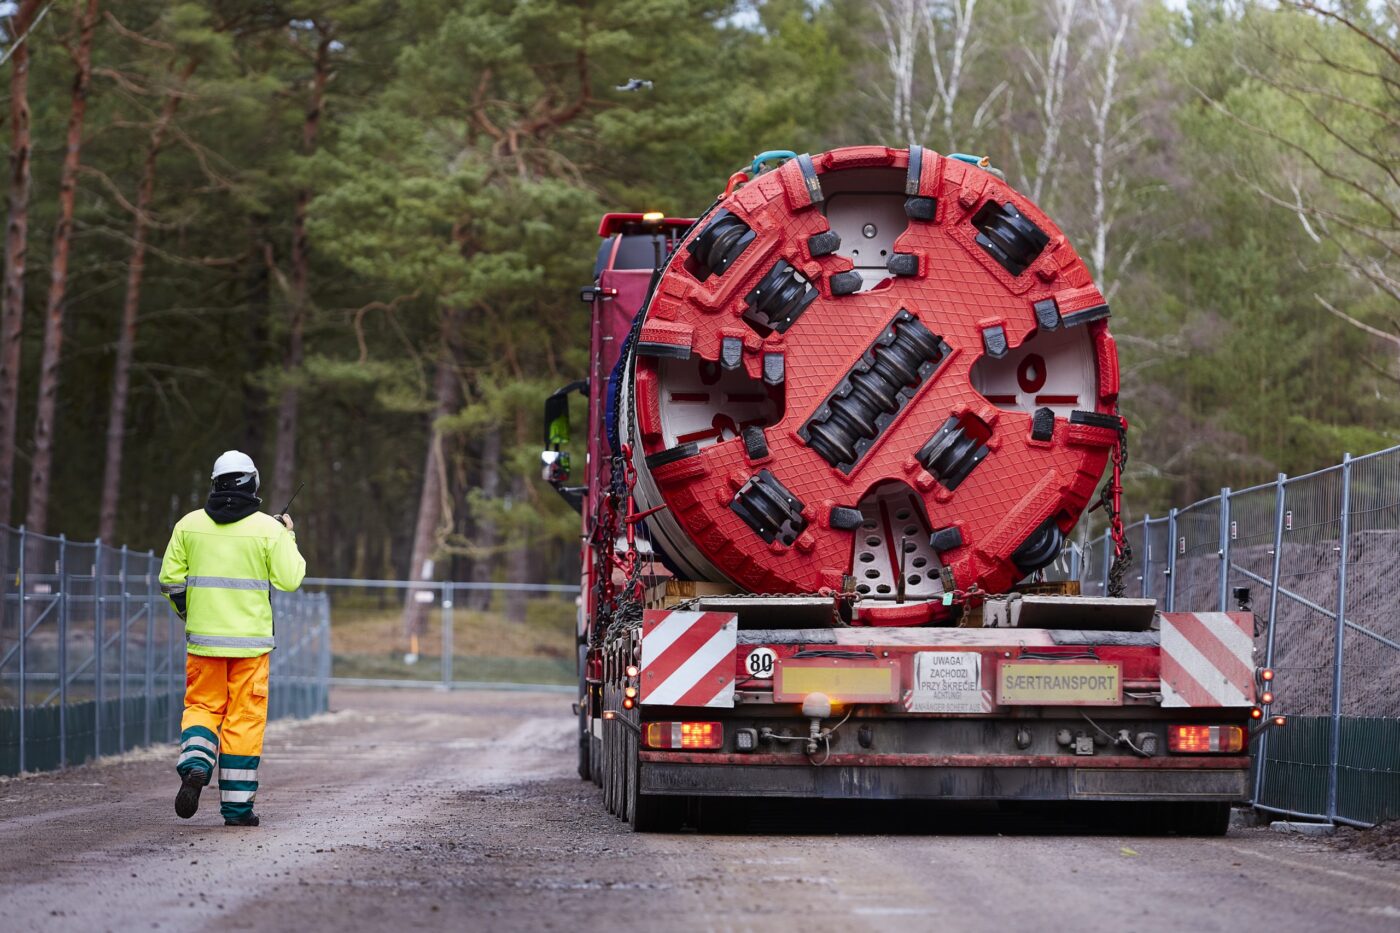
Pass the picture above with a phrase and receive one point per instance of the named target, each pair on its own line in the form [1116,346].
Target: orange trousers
[225,716]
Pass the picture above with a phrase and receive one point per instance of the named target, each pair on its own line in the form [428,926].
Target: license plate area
[847,680]
[1060,683]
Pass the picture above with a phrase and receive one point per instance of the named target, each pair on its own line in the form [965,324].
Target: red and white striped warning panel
[688,658]
[1207,659]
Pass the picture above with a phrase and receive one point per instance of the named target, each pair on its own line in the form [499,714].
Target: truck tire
[585,736]
[649,813]
[609,741]
[625,754]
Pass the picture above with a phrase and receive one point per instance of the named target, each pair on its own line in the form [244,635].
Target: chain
[1111,500]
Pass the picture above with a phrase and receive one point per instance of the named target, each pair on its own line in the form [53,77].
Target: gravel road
[460,811]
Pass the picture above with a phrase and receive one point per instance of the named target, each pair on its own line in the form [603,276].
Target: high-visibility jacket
[227,573]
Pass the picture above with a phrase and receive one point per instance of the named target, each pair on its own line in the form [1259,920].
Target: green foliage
[467,147]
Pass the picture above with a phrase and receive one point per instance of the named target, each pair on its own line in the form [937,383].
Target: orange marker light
[1280,720]
[630,691]
[1266,675]
[1266,697]
[628,702]
[632,670]
[1256,713]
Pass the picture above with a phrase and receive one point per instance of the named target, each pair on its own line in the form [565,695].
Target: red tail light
[1204,740]
[684,735]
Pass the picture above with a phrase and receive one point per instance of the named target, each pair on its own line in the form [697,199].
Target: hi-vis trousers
[225,715]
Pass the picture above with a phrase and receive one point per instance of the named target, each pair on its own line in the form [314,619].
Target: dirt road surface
[417,810]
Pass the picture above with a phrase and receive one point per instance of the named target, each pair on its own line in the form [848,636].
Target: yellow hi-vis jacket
[227,573]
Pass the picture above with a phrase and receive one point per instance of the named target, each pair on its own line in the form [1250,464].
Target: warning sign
[947,682]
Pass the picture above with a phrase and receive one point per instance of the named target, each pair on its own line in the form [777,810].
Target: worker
[219,570]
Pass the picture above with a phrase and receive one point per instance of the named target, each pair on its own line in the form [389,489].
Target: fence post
[99,640]
[447,633]
[1107,559]
[1224,552]
[1339,642]
[1280,499]
[326,657]
[1146,555]
[62,597]
[23,645]
[121,656]
[1171,561]
[150,647]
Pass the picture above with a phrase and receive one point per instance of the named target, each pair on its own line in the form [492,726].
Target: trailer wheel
[628,776]
[585,736]
[617,758]
[649,813]
[609,729]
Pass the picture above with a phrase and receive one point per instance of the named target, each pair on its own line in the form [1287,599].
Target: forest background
[346,236]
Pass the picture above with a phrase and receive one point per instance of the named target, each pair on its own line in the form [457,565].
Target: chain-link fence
[1320,555]
[92,657]
[451,634]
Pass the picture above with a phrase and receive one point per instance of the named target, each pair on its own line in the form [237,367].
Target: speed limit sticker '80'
[760,662]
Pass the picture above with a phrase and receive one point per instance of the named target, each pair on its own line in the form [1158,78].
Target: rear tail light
[1198,740]
[683,735]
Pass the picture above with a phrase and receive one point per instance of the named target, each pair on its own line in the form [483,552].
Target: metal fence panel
[1319,555]
[92,657]
[447,634]
[1195,580]
[1304,635]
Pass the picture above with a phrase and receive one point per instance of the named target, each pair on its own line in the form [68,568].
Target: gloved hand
[181,609]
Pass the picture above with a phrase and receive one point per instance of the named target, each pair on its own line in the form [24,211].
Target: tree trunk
[126,337]
[484,564]
[425,528]
[518,564]
[16,240]
[41,468]
[289,398]
[254,396]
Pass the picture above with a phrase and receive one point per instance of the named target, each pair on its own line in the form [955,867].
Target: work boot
[187,800]
[250,819]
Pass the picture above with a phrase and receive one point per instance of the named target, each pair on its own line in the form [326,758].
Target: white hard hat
[235,461]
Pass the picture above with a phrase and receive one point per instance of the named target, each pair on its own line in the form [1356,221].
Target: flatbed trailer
[1011,715]
[698,691]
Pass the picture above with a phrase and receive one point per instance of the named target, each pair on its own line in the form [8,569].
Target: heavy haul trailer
[838,429]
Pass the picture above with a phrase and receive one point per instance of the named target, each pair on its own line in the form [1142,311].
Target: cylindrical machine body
[875,363]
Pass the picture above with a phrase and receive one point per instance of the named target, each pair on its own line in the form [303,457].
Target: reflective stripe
[230,641]
[228,583]
[170,589]
[201,742]
[237,796]
[198,753]
[238,774]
